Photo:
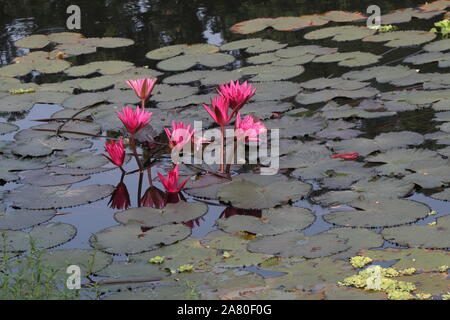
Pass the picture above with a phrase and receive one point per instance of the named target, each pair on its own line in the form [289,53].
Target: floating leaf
[402,38]
[22,219]
[251,191]
[44,236]
[175,50]
[382,213]
[132,238]
[273,221]
[349,59]
[171,213]
[431,237]
[185,62]
[341,33]
[33,197]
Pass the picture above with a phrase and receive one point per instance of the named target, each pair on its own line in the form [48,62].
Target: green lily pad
[293,243]
[207,78]
[268,72]
[251,191]
[430,283]
[34,197]
[341,33]
[133,238]
[123,271]
[440,45]
[329,94]
[164,92]
[349,59]
[102,67]
[357,239]
[310,274]
[274,90]
[443,195]
[334,83]
[185,62]
[178,254]
[382,213]
[397,161]
[10,167]
[6,127]
[47,178]
[421,259]
[22,219]
[83,100]
[172,292]
[296,126]
[280,24]
[175,50]
[44,236]
[43,146]
[380,189]
[90,261]
[36,41]
[427,236]
[171,213]
[428,57]
[273,221]
[81,160]
[382,74]
[402,38]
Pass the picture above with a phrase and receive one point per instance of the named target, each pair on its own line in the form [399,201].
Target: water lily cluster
[223,109]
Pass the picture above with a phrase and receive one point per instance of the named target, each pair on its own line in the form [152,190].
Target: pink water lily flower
[237,93]
[180,134]
[171,183]
[134,120]
[220,110]
[248,128]
[142,87]
[116,152]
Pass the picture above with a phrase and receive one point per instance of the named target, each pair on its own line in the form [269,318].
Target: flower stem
[222,150]
[135,154]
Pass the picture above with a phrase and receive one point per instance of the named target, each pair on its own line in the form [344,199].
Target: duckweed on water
[156,260]
[359,261]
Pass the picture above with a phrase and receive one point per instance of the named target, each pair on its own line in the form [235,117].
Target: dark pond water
[153,24]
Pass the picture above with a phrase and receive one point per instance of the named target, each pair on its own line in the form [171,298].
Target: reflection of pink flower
[180,134]
[120,198]
[154,198]
[134,120]
[115,151]
[230,211]
[219,111]
[345,156]
[249,128]
[237,93]
[192,223]
[142,87]
[171,183]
